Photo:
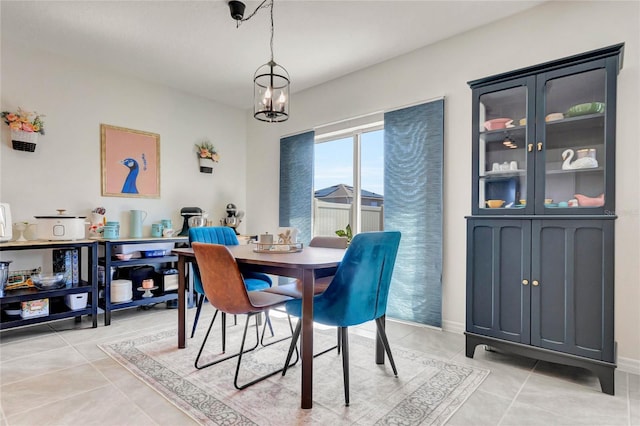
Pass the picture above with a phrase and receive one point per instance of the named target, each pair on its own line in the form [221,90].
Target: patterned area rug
[426,392]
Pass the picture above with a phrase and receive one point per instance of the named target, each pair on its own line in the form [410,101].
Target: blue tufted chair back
[225,236]
[360,287]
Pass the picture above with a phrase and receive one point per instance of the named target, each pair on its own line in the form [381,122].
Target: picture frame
[130,162]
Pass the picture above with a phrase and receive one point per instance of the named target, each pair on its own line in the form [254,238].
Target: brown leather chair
[323,277]
[226,291]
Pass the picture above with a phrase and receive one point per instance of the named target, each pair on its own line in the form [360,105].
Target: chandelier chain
[264,4]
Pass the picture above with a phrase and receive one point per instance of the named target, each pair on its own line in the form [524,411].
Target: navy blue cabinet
[540,241]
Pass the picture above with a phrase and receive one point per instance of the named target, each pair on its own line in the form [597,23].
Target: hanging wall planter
[207,156]
[24,141]
[206,165]
[25,128]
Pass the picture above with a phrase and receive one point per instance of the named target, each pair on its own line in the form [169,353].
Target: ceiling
[195,46]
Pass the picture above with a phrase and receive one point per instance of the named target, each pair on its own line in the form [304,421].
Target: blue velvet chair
[357,294]
[225,236]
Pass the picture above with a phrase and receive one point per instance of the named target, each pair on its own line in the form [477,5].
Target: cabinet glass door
[574,142]
[502,153]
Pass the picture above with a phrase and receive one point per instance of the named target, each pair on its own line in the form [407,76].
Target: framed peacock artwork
[130,162]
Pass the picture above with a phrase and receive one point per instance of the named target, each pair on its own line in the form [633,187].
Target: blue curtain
[413,150]
[296,183]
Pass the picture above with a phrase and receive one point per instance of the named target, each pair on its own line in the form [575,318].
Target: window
[349,181]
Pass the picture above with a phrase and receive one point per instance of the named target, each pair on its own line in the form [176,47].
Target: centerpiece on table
[207,155]
[25,127]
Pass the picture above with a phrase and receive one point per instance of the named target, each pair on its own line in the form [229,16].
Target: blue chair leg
[199,308]
[344,334]
[385,343]
[294,345]
[268,321]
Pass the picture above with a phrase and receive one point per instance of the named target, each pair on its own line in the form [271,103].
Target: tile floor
[55,374]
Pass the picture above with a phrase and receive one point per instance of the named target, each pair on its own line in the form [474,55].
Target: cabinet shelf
[573,171]
[139,261]
[25,294]
[87,255]
[109,263]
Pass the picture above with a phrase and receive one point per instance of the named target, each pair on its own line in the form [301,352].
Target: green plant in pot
[345,233]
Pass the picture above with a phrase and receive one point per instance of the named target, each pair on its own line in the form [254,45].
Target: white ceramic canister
[121,291]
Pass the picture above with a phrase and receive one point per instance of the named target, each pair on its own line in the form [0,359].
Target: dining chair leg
[268,321]
[198,309]
[204,342]
[385,343]
[264,328]
[259,379]
[344,337]
[294,341]
[224,332]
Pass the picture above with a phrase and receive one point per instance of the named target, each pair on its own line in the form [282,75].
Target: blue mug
[110,231]
[156,229]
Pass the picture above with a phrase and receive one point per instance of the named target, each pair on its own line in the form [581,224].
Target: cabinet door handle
[535,283]
[525,282]
[539,146]
[530,147]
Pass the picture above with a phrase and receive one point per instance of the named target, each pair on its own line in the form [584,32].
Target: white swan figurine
[580,163]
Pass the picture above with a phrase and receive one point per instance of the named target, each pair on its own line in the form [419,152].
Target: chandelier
[270,81]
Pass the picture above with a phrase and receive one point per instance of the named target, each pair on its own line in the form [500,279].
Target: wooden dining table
[301,265]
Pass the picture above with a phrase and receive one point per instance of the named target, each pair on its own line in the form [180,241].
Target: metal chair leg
[294,341]
[385,343]
[268,321]
[264,328]
[198,309]
[259,379]
[344,334]
[204,342]
[224,332]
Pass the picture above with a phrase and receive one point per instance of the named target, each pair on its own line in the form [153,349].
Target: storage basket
[24,141]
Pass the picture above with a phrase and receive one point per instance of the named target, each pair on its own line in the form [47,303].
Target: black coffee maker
[187,213]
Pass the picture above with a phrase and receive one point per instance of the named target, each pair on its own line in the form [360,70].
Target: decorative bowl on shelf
[554,116]
[48,281]
[497,123]
[584,109]
[495,204]
[584,201]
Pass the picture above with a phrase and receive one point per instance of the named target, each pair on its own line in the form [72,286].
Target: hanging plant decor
[25,128]
[207,156]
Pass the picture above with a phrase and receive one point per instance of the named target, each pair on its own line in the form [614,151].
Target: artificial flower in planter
[207,155]
[25,128]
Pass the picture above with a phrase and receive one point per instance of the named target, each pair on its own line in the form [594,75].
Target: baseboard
[453,326]
[628,365]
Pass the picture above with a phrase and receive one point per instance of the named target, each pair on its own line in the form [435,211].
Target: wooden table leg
[182,306]
[307,338]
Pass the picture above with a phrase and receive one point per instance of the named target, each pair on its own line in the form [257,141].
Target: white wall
[64,171]
[550,31]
